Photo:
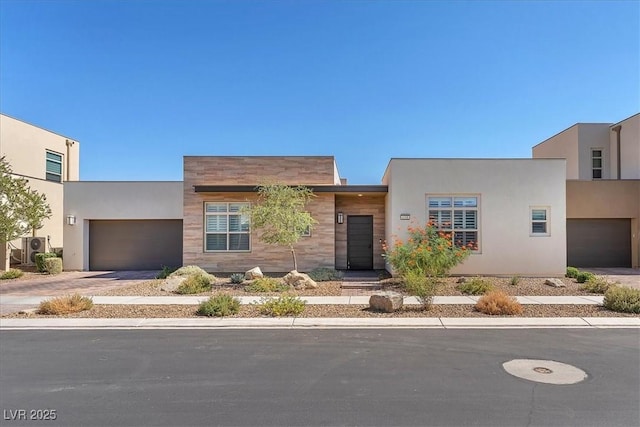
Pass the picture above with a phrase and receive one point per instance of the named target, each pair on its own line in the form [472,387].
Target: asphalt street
[389,377]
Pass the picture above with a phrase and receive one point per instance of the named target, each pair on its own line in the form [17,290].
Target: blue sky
[142,83]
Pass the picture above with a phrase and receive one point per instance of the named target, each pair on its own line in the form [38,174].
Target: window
[596,164]
[539,221]
[54,167]
[458,214]
[306,232]
[225,228]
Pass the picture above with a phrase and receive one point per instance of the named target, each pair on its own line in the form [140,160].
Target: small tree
[280,215]
[21,209]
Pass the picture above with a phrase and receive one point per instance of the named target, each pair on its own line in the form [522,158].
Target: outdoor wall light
[71,220]
[340,217]
[405,216]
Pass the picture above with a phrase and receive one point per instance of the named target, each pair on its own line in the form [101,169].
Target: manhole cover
[544,371]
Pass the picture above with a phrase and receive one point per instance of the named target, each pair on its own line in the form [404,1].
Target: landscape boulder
[299,280]
[254,273]
[387,302]
[170,284]
[556,283]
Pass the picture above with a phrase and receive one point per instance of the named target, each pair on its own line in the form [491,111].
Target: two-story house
[603,191]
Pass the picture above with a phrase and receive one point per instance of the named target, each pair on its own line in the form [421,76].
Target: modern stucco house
[513,209]
[603,191]
[47,160]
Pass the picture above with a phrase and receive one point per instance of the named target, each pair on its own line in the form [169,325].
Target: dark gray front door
[599,242]
[360,242]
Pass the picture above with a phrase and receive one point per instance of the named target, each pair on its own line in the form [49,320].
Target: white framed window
[539,216]
[306,232]
[53,167]
[457,214]
[226,229]
[596,163]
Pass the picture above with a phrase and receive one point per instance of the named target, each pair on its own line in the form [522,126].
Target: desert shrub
[236,278]
[39,258]
[53,265]
[622,299]
[324,274]
[424,288]
[572,272]
[191,270]
[475,286]
[195,284]
[285,305]
[65,305]
[514,280]
[597,285]
[498,303]
[12,273]
[266,284]
[165,272]
[219,306]
[583,276]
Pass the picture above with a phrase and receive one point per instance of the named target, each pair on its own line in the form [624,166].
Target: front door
[360,242]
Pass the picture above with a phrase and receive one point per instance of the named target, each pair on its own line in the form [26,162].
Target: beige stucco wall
[88,200]
[593,136]
[24,146]
[507,190]
[607,199]
[363,205]
[629,147]
[564,145]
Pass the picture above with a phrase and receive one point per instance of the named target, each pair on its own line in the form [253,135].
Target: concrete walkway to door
[625,276]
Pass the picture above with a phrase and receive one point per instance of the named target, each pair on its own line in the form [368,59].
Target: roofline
[315,188]
[259,157]
[624,120]
[39,127]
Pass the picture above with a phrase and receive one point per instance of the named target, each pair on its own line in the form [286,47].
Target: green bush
[622,299]
[597,285]
[190,270]
[53,265]
[219,306]
[424,288]
[237,278]
[266,284]
[324,274]
[165,272]
[583,276]
[572,272]
[285,305]
[40,260]
[514,281]
[12,273]
[475,286]
[195,284]
[65,305]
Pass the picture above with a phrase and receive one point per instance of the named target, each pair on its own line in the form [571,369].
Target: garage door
[599,242]
[135,245]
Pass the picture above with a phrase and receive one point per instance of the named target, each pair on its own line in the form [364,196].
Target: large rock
[387,302]
[254,273]
[170,284]
[299,280]
[556,283]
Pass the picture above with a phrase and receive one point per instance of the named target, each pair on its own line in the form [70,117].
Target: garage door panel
[599,242]
[135,244]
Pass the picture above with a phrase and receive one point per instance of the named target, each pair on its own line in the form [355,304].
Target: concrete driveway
[68,282]
[625,276]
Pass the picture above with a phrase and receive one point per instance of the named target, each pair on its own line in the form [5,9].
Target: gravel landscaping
[173,311]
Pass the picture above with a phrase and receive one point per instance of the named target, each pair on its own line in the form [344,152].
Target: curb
[323,323]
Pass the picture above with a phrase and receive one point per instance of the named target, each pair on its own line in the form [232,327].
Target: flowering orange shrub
[428,252]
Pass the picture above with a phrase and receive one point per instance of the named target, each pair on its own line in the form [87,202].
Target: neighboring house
[603,191]
[46,160]
[514,210]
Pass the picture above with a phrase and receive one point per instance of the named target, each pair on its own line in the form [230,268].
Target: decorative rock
[387,302]
[299,280]
[461,280]
[28,311]
[556,283]
[170,284]
[254,273]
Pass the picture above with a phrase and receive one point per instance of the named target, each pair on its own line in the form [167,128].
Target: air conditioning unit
[32,246]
